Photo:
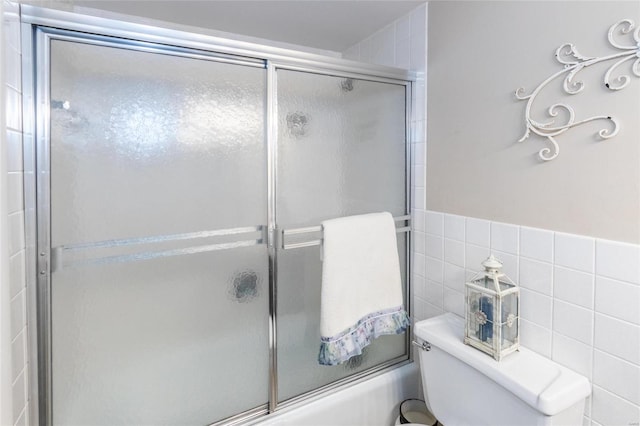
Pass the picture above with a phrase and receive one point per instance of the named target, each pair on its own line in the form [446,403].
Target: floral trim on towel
[339,348]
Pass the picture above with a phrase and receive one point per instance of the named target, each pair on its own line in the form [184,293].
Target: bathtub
[372,402]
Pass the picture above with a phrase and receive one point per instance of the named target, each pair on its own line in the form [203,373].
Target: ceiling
[329,25]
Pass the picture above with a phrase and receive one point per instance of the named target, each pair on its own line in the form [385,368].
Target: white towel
[361,285]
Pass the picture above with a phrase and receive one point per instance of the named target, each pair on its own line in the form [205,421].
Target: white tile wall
[11,137]
[402,44]
[580,300]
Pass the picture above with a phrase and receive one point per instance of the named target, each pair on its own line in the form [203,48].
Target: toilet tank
[464,386]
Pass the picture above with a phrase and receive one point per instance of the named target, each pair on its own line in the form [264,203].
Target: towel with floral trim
[361,297]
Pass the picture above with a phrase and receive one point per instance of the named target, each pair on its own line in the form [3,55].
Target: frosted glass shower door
[341,152]
[159,277]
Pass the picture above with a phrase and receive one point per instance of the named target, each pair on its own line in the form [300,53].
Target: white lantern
[492,311]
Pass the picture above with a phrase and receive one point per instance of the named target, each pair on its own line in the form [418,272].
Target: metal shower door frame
[39,27]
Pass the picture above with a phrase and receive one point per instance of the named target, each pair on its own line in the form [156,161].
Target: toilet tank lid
[540,382]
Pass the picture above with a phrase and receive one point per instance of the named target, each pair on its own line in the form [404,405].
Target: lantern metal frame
[496,348]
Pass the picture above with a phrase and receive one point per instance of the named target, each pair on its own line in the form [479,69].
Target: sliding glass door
[169,290]
[159,282]
[341,152]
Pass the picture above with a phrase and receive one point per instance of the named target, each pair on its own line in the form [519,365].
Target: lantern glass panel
[510,316]
[481,318]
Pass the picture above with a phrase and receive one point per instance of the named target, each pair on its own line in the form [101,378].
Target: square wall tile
[18,347]
[418,176]
[417,197]
[618,338]
[573,321]
[536,308]
[454,277]
[618,260]
[12,76]
[418,52]
[474,256]
[617,376]
[419,21]
[14,151]
[434,223]
[383,46]
[419,242]
[418,310]
[478,232]
[537,276]
[17,273]
[536,338]
[417,220]
[18,314]
[573,286]
[419,264]
[418,137]
[454,227]
[418,284]
[454,302]
[432,310]
[403,27]
[454,252]
[16,233]
[536,244]
[618,299]
[575,252]
[403,54]
[433,246]
[418,103]
[433,293]
[23,420]
[13,109]
[434,270]
[572,354]
[509,263]
[504,237]
[19,394]
[609,409]
[15,192]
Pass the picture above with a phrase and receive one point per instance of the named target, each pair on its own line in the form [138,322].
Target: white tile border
[568,317]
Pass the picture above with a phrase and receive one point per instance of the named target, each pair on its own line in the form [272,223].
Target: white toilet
[465,387]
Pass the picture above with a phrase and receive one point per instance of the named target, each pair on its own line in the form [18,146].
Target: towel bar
[117,251]
[311,229]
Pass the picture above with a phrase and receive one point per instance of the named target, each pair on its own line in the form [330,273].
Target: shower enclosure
[180,181]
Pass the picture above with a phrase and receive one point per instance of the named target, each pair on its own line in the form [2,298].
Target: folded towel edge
[339,348]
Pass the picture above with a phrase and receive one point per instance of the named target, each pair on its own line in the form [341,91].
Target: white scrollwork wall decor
[574,62]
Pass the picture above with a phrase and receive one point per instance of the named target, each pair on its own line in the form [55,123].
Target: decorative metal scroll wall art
[574,62]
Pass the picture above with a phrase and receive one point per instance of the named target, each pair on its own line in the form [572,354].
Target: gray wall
[479,53]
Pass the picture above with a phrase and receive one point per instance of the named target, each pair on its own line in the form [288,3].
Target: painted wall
[580,294]
[12,222]
[479,53]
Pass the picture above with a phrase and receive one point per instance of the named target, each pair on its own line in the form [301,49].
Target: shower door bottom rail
[111,251]
[318,229]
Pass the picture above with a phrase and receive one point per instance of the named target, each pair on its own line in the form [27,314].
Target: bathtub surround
[579,299]
[12,263]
